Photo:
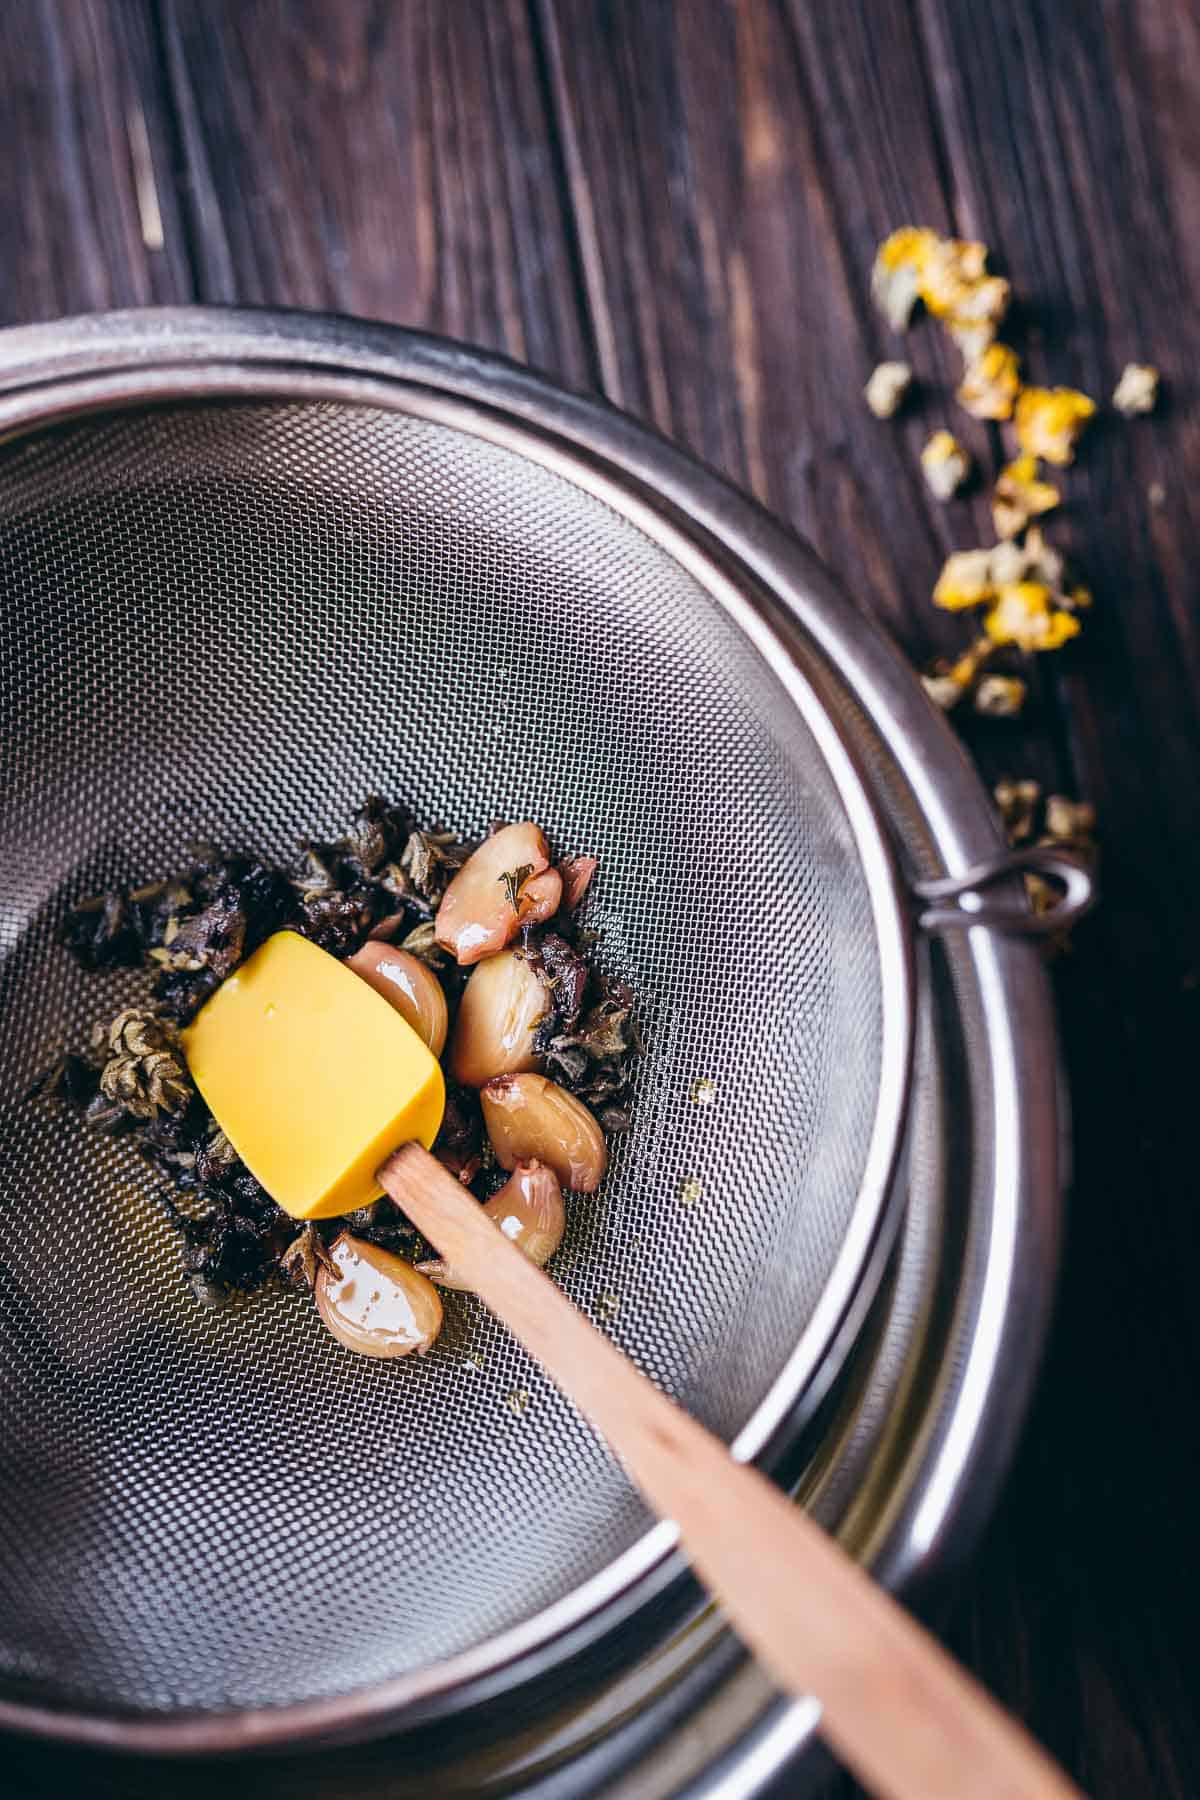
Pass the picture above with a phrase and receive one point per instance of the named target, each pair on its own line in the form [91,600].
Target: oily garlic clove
[529,1210]
[376,1303]
[578,874]
[531,1119]
[477,916]
[493,1034]
[541,897]
[407,984]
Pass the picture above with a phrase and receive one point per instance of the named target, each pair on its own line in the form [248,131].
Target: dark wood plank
[84,129]
[392,161]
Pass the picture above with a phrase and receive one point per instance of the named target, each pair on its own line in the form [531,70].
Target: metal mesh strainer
[229,620]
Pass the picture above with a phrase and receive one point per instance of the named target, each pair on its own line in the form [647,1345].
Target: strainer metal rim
[166,356]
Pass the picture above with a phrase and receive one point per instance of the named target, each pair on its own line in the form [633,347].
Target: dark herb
[459,1142]
[560,968]
[512,881]
[101,932]
[594,1061]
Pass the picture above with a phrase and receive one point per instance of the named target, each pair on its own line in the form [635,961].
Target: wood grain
[678,200]
[387,160]
[79,86]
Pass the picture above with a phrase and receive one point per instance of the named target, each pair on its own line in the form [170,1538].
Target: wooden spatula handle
[898,1711]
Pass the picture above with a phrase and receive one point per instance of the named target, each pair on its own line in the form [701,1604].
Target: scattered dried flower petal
[886,390]
[1137,390]
[947,682]
[1019,496]
[1050,420]
[1028,615]
[1000,696]
[1017,803]
[943,690]
[1069,821]
[991,385]
[965,581]
[978,315]
[946,465]
[895,277]
[950,271]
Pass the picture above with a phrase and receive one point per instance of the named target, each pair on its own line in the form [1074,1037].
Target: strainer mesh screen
[230,622]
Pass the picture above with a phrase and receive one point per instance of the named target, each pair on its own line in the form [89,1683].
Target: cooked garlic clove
[376,1303]
[477,917]
[578,873]
[493,1034]
[529,1118]
[407,984]
[529,1210]
[541,897]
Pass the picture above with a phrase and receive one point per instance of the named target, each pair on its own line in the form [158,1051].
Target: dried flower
[1030,559]
[978,316]
[946,465]
[991,385]
[1031,616]
[943,690]
[947,682]
[887,388]
[1019,496]
[950,271]
[1000,696]
[1050,420]
[1017,803]
[895,278]
[966,580]
[1137,390]
[304,1257]
[142,1070]
[1070,822]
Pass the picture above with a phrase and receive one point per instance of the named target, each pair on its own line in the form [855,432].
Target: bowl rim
[53,373]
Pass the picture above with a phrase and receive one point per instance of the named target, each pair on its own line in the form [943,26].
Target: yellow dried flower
[965,581]
[946,683]
[887,387]
[895,278]
[1017,803]
[949,271]
[990,386]
[1049,421]
[1137,390]
[1000,696]
[1031,560]
[946,465]
[943,690]
[1069,821]
[1029,615]
[981,308]
[1019,496]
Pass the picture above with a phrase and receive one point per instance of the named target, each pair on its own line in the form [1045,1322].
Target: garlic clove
[578,873]
[493,1034]
[376,1303]
[407,984]
[541,897]
[530,1118]
[529,1210]
[480,911]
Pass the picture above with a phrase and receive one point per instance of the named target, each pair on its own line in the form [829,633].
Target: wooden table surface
[677,205]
